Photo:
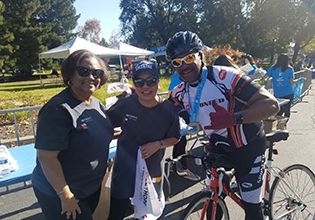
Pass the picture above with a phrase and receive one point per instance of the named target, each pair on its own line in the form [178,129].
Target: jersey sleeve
[240,85]
[54,126]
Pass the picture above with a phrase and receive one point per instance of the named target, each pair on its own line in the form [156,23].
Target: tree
[304,16]
[91,30]
[35,24]
[151,22]
[6,38]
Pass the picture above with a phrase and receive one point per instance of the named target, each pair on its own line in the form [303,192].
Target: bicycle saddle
[278,135]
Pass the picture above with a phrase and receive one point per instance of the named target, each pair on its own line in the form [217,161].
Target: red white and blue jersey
[232,90]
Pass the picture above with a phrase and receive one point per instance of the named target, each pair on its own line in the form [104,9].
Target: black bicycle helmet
[183,42]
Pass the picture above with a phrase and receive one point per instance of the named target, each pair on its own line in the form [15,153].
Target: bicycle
[291,195]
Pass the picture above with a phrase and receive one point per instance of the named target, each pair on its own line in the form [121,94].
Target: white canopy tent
[77,43]
[129,50]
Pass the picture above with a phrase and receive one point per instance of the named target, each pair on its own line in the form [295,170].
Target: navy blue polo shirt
[82,133]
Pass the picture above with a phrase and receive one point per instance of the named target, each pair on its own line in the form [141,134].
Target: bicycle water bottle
[4,162]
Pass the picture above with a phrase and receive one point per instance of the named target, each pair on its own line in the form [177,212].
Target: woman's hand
[149,149]
[69,204]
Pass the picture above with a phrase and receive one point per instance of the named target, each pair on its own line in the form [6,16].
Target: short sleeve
[115,113]
[269,72]
[54,127]
[174,130]
[291,73]
[245,88]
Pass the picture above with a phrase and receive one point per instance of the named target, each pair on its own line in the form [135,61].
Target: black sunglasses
[84,72]
[152,81]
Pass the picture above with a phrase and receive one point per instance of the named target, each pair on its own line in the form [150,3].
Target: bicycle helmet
[182,42]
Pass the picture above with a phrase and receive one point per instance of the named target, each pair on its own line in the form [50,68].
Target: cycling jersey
[230,89]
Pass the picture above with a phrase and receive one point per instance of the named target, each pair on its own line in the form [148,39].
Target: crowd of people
[75,129]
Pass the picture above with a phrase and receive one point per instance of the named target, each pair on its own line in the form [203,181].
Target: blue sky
[106,11]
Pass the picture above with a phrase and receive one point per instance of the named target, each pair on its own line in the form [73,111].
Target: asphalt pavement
[299,148]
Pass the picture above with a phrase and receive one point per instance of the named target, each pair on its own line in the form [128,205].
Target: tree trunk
[296,52]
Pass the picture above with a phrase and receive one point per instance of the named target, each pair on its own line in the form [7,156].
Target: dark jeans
[285,109]
[51,206]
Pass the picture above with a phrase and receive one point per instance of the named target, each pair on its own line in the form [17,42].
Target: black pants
[118,208]
[51,206]
[285,109]
[180,149]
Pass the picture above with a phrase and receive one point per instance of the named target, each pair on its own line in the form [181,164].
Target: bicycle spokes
[293,194]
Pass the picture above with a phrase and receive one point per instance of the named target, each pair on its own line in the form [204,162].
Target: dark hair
[250,58]
[182,42]
[283,61]
[69,65]
[225,60]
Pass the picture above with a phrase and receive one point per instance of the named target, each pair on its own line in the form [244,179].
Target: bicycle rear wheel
[195,208]
[293,196]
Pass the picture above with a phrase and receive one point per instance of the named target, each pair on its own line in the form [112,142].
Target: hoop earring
[69,83]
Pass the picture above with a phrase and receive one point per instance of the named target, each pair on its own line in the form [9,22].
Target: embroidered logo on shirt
[84,122]
[222,74]
[130,117]
[94,164]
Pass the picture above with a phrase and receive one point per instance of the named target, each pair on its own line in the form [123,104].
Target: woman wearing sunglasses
[72,142]
[146,122]
[229,108]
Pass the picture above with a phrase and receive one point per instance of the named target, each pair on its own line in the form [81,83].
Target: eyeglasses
[187,59]
[152,81]
[84,72]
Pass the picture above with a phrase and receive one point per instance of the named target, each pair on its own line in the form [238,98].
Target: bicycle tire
[190,212]
[293,176]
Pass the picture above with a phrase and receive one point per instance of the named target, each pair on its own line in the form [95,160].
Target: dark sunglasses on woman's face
[84,72]
[152,81]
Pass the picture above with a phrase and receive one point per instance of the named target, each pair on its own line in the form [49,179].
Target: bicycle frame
[217,188]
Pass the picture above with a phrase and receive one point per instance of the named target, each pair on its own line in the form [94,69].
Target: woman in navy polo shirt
[72,142]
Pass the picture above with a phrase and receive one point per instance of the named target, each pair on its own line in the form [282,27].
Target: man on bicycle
[229,107]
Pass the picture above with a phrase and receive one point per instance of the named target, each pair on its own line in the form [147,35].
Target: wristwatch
[239,118]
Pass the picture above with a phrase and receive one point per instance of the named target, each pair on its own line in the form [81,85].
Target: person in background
[249,60]
[180,148]
[146,122]
[72,142]
[229,108]
[282,82]
[226,60]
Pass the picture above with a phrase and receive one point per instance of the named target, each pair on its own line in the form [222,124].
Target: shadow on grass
[28,87]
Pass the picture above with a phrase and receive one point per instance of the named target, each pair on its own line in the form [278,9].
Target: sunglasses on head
[190,58]
[152,81]
[84,72]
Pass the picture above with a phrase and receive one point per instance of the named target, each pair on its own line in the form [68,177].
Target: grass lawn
[38,92]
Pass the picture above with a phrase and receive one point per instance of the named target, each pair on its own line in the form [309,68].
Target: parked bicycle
[291,195]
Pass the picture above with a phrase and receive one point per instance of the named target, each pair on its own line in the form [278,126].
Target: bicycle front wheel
[293,195]
[196,209]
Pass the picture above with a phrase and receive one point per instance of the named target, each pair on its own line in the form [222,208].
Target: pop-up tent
[75,44]
[129,50]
